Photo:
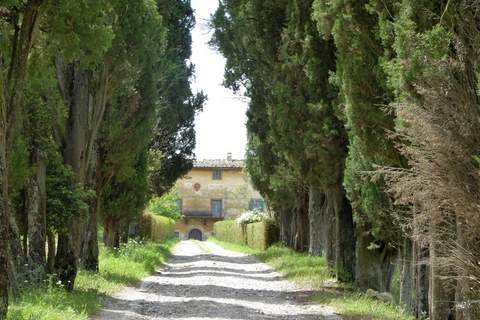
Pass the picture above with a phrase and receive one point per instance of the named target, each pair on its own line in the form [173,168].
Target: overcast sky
[221,126]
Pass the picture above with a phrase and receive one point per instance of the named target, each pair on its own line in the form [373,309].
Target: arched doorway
[195,234]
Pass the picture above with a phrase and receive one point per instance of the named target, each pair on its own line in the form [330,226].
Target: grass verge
[311,272]
[118,268]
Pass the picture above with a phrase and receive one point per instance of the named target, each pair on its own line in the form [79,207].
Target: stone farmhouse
[213,190]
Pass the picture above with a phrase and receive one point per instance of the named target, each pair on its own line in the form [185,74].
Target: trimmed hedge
[257,235]
[156,228]
[229,231]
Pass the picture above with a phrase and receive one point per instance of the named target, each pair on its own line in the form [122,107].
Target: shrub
[120,267]
[255,215]
[166,205]
[156,228]
[229,231]
[258,235]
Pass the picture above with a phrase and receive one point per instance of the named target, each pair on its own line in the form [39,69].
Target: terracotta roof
[219,163]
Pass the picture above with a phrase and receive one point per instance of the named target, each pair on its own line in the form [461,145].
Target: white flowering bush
[255,215]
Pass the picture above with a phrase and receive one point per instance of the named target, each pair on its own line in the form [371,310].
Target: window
[179,204]
[217,208]
[256,204]
[177,235]
[217,174]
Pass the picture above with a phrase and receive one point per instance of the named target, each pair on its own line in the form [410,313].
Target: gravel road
[204,281]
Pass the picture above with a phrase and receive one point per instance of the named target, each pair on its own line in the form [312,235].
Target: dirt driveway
[204,281]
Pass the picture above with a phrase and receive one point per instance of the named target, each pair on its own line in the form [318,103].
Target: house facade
[213,190]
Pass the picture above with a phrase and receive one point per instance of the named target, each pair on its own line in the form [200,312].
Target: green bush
[258,235]
[251,216]
[166,205]
[229,231]
[156,228]
[121,267]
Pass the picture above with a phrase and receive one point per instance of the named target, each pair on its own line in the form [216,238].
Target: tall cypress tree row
[248,34]
[435,78]
[173,143]
[298,109]
[95,74]
[354,25]
[305,107]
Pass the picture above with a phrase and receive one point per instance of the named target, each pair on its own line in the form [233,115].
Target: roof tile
[219,163]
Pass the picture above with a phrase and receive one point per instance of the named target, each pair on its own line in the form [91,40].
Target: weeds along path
[204,281]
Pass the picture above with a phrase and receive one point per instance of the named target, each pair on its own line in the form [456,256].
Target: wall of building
[185,225]
[234,189]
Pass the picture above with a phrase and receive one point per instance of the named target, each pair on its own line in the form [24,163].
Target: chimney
[229,156]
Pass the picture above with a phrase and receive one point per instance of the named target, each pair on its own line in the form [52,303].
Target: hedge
[156,228]
[257,235]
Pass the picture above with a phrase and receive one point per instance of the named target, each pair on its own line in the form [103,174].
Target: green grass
[125,266]
[356,305]
[311,272]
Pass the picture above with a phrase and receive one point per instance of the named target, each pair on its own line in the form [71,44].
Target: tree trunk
[21,217]
[74,85]
[10,100]
[285,222]
[442,293]
[124,232]
[329,231]
[86,110]
[4,217]
[302,223]
[111,235]
[293,228]
[66,261]
[315,215]
[467,291]
[36,208]
[90,248]
[374,266]
[89,257]
[17,259]
[406,276]
[421,280]
[345,237]
[51,252]
[22,42]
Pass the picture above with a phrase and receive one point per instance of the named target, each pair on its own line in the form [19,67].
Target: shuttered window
[217,208]
[179,204]
[217,174]
[256,204]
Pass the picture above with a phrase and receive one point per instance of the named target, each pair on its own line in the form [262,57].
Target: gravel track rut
[204,281]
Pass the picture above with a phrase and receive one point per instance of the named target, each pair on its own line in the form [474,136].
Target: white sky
[221,126]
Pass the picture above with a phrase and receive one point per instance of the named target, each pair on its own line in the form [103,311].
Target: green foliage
[156,228]
[166,205]
[229,231]
[174,135]
[19,169]
[255,215]
[361,31]
[80,30]
[260,235]
[257,235]
[64,198]
[118,268]
[126,197]
[296,134]
[358,306]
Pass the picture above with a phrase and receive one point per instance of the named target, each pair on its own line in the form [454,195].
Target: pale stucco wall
[183,227]
[234,189]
